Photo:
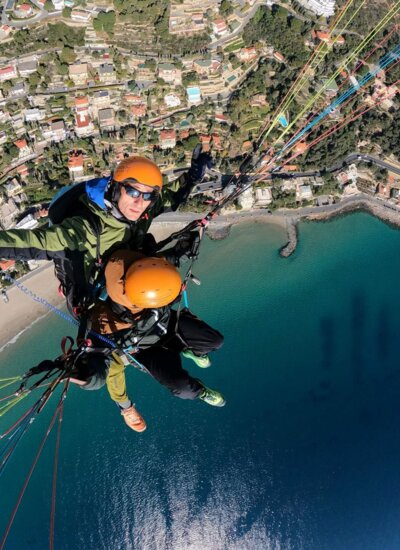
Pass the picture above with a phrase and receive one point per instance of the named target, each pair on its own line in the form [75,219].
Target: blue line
[185,300]
[384,62]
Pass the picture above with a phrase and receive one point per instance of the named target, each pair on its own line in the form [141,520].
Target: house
[246,54]
[75,165]
[7,73]
[300,147]
[23,171]
[246,199]
[23,148]
[279,57]
[28,222]
[216,142]
[172,100]
[106,119]
[13,188]
[58,131]
[83,124]
[101,99]
[258,100]
[304,193]
[34,115]
[331,88]
[342,178]
[219,27]
[80,16]
[25,68]
[320,7]
[81,103]
[23,11]
[202,66]
[106,73]
[170,74]
[327,38]
[263,196]
[78,73]
[7,265]
[167,139]
[5,31]
[205,142]
[138,110]
[18,90]
[194,95]
[133,99]
[222,119]
[8,212]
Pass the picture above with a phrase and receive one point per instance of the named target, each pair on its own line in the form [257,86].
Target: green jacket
[72,244]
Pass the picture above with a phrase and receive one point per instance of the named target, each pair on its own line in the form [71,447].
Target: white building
[263,196]
[304,193]
[172,100]
[7,73]
[320,7]
[246,199]
[32,115]
[29,222]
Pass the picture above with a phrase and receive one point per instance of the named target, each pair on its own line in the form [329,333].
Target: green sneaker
[212,397]
[202,361]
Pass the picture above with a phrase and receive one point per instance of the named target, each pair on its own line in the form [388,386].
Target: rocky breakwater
[291,229]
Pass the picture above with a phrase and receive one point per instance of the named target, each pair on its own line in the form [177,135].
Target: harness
[78,289]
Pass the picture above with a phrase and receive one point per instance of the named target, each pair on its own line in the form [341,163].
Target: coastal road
[350,159]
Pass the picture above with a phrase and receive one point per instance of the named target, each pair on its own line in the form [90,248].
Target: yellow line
[347,61]
[319,54]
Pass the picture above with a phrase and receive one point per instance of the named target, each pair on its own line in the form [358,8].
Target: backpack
[70,270]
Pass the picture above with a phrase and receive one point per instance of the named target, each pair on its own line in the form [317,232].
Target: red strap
[66,351]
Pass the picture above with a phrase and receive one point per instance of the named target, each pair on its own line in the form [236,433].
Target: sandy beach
[21,311]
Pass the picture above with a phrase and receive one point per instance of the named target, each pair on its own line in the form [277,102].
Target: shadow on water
[358,324]
[327,339]
[383,335]
[323,389]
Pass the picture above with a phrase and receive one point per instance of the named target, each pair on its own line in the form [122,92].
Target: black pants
[163,360]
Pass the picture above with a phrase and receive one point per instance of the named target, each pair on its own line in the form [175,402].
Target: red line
[17,422]
[314,113]
[54,487]
[15,510]
[302,72]
[338,126]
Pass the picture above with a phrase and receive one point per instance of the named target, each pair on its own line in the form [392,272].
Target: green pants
[116,383]
[111,371]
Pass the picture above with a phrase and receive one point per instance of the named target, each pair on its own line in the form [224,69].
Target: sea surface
[306,453]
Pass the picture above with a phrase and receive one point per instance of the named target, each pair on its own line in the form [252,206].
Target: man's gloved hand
[200,162]
[185,249]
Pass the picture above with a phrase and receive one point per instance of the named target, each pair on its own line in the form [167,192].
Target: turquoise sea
[306,453]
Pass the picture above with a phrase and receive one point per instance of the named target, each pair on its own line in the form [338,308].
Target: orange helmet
[139,169]
[152,283]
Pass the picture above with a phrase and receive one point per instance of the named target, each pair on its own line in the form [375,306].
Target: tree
[48,5]
[66,12]
[67,55]
[225,8]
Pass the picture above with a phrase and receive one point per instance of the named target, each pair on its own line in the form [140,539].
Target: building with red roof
[167,139]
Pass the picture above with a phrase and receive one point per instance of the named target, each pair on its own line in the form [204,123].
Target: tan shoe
[133,419]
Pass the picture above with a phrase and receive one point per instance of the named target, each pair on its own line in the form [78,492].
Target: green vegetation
[234,46]
[226,8]
[285,34]
[105,21]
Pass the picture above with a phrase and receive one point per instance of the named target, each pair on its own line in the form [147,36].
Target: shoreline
[21,312]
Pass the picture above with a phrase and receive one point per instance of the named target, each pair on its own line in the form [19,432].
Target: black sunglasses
[135,193]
